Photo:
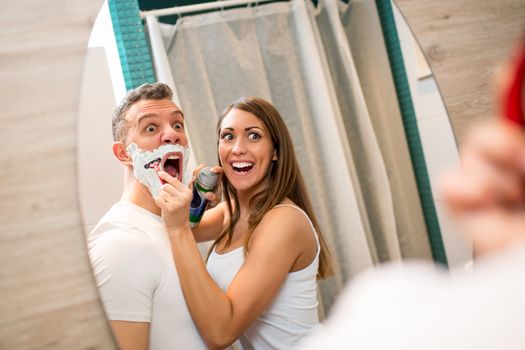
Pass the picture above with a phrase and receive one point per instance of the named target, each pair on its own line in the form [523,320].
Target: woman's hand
[174,200]
[214,197]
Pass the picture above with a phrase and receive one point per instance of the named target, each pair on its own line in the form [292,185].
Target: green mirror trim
[408,114]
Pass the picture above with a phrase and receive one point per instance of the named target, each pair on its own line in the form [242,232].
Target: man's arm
[123,264]
[131,335]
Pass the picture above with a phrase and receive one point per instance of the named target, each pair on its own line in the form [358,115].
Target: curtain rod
[198,7]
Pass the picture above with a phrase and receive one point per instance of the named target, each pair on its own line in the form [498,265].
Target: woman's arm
[222,317]
[211,224]
[281,239]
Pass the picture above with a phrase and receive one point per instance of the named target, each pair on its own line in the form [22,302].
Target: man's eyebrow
[152,115]
[145,116]
[178,111]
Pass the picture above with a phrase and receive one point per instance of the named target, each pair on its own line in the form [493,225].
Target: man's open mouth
[171,163]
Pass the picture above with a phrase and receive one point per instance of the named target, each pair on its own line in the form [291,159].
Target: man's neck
[138,194]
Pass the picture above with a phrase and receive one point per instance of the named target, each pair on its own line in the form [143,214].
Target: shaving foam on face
[169,158]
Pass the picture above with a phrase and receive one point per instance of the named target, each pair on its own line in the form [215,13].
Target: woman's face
[245,150]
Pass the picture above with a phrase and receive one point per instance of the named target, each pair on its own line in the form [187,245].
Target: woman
[260,282]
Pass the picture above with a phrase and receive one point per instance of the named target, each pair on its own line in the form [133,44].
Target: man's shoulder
[121,233]
[118,250]
[117,234]
[124,221]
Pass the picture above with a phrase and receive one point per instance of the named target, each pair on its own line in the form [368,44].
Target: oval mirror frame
[48,295]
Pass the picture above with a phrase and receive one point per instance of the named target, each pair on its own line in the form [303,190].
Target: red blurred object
[513,100]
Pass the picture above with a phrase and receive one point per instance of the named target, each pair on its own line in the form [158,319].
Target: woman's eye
[150,128]
[226,137]
[254,136]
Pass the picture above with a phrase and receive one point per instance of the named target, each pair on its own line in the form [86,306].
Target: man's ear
[119,150]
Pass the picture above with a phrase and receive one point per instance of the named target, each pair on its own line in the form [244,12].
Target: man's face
[153,123]
[155,140]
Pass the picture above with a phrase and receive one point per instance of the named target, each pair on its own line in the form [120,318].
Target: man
[417,306]
[129,249]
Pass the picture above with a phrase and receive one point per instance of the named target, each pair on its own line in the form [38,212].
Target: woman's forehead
[238,118]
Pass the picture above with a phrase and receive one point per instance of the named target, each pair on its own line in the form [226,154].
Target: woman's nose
[239,146]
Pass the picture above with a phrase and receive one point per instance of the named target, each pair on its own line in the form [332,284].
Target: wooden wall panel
[48,299]
[463,42]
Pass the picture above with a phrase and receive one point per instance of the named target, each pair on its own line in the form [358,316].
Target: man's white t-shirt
[416,306]
[136,276]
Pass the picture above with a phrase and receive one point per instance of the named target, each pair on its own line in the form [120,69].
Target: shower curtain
[326,70]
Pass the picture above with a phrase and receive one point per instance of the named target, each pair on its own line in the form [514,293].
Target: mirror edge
[486,32]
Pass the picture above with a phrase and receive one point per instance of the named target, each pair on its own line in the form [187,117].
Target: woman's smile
[242,168]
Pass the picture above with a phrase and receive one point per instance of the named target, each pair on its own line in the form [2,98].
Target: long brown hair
[284,181]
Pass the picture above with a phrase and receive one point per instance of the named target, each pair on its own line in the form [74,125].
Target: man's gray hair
[154,91]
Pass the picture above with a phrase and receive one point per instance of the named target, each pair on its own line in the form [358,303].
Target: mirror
[284,86]
[99,171]
[49,297]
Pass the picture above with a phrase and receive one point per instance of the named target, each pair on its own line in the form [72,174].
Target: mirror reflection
[325,71]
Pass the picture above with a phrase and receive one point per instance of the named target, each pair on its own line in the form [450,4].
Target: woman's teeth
[242,166]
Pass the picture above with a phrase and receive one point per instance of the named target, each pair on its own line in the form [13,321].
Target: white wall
[100,175]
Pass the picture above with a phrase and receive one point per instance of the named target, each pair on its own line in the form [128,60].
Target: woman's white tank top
[293,312]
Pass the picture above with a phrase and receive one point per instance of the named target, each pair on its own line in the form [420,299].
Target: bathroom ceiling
[146,5]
